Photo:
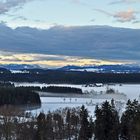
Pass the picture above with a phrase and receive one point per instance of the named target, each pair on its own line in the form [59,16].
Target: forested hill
[57,89]
[18,96]
[73,77]
[4,70]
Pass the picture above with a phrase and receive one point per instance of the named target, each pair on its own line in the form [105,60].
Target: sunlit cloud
[125,16]
[121,16]
[52,60]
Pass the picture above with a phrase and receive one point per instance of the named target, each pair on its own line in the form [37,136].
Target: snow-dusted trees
[72,124]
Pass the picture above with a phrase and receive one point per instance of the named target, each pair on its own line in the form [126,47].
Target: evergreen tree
[40,126]
[91,127]
[106,123]
[130,121]
[75,125]
[68,120]
[49,135]
[85,132]
[44,127]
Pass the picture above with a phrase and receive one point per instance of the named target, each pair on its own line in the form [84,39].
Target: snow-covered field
[52,103]
[131,90]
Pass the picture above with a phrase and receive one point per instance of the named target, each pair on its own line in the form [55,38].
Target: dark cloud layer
[98,42]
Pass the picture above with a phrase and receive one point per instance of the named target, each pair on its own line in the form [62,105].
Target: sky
[44,14]
[47,13]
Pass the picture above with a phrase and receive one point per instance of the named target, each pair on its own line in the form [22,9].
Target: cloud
[23,18]
[6,5]
[121,16]
[92,20]
[70,44]
[79,2]
[103,11]
[51,60]
[3,22]
[75,1]
[124,1]
[20,18]
[136,21]
[125,16]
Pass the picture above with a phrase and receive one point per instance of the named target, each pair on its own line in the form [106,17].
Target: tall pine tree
[85,130]
[106,123]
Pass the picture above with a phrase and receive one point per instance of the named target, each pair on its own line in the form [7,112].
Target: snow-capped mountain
[104,68]
[19,67]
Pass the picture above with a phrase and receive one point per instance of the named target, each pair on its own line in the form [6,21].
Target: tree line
[53,89]
[110,126]
[59,89]
[73,124]
[18,96]
[71,77]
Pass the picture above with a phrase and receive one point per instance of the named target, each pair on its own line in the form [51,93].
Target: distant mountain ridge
[94,68]
[104,68]
[19,66]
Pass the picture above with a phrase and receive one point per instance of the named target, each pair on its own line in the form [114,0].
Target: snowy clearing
[132,91]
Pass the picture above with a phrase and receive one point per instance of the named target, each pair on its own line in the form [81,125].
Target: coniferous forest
[72,77]
[57,89]
[72,124]
[18,96]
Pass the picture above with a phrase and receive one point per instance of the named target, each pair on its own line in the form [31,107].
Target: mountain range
[19,66]
[94,68]
[104,68]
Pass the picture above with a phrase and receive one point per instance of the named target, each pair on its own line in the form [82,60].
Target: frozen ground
[52,103]
[131,90]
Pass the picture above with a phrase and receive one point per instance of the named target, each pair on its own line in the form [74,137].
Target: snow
[87,69]
[19,71]
[52,103]
[131,90]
